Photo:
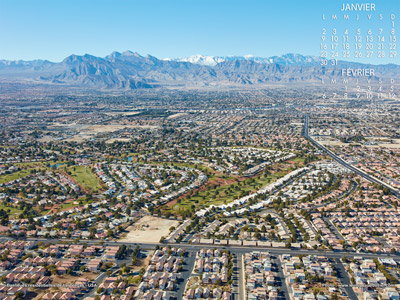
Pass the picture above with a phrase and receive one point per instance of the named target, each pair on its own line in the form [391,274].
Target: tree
[19,295]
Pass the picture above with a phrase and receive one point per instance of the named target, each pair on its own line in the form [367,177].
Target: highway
[395,192]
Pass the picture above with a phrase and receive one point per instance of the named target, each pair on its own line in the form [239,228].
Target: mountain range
[287,59]
[129,70]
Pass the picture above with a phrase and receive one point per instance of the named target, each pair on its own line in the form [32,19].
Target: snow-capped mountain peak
[199,59]
[206,60]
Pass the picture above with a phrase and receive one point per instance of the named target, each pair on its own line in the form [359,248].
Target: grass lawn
[12,209]
[181,164]
[298,159]
[26,168]
[15,175]
[222,194]
[76,203]
[134,279]
[84,176]
[69,205]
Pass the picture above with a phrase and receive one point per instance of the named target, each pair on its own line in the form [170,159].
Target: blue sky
[43,29]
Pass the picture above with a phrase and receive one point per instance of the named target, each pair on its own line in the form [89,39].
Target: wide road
[341,274]
[234,249]
[185,274]
[281,283]
[395,192]
[236,278]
